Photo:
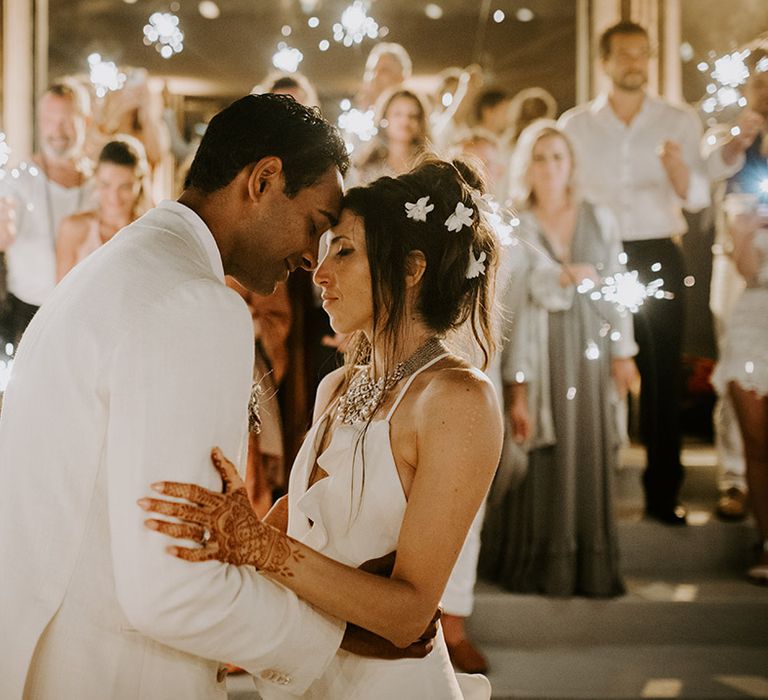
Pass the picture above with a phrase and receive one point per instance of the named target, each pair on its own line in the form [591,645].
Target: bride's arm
[458,439]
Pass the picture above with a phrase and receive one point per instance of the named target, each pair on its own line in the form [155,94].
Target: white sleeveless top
[353,515]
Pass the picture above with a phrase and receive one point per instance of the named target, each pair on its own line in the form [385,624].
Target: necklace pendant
[364,394]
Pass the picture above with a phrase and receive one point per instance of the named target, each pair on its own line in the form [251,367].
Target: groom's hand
[364,643]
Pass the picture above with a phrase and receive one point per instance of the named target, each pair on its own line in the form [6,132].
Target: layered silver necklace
[364,394]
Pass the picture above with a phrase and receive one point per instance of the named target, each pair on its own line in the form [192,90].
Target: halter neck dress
[353,515]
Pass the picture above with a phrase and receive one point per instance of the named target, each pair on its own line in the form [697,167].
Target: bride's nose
[320,276]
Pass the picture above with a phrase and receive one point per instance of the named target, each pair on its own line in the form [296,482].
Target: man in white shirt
[139,362]
[639,155]
[35,197]
[737,161]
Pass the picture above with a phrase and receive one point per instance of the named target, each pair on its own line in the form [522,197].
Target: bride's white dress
[352,518]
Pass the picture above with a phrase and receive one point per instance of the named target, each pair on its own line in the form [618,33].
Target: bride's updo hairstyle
[447,297]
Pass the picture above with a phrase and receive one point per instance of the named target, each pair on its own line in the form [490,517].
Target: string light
[164,33]
[105,76]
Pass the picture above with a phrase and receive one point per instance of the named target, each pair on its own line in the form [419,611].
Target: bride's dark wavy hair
[446,297]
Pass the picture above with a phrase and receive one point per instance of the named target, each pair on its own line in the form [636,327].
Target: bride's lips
[328,300]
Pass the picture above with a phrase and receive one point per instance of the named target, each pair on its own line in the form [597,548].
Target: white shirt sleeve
[698,196]
[712,150]
[179,385]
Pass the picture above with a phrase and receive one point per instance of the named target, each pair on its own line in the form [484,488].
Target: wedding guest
[742,371]
[35,198]
[569,361]
[265,472]
[296,85]
[737,160]
[640,158]
[453,102]
[121,197]
[526,107]
[492,111]
[135,111]
[402,138]
[387,67]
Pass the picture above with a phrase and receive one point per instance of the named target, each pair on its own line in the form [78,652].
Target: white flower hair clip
[491,213]
[476,265]
[485,203]
[419,209]
[460,218]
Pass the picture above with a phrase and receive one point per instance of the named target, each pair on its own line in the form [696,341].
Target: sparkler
[105,76]
[356,124]
[355,25]
[624,289]
[164,33]
[286,58]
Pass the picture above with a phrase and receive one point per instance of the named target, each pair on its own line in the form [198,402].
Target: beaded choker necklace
[359,401]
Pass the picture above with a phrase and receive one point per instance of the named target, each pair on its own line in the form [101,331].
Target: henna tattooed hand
[223,523]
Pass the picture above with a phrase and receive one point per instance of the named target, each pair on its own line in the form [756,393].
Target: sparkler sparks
[355,25]
[356,123]
[164,33]
[625,290]
[5,150]
[286,58]
[105,76]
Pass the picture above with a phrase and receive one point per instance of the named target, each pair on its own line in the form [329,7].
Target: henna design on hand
[237,535]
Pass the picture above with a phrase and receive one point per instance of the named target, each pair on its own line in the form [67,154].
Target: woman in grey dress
[566,368]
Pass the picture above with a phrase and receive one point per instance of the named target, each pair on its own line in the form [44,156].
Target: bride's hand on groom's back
[364,643]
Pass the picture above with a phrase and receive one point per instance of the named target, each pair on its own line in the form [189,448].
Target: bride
[405,440]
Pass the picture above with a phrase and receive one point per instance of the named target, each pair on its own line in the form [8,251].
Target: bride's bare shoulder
[455,385]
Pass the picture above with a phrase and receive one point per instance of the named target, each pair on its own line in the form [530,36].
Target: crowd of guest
[598,192]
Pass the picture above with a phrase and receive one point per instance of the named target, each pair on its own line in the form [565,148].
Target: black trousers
[659,334]
[15,317]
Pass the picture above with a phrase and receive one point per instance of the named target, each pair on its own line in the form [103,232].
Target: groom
[137,365]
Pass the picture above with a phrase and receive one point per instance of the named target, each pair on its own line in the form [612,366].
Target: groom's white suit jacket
[138,365]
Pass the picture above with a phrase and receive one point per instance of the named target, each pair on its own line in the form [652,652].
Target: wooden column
[24,70]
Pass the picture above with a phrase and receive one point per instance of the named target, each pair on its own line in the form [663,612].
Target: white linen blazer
[139,363]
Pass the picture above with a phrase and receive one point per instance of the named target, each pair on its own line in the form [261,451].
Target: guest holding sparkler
[565,369]
[403,135]
[644,163]
[35,198]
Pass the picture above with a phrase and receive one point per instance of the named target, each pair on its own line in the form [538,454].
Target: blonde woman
[570,357]
[121,194]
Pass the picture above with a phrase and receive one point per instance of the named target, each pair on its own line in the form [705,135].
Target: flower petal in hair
[419,209]
[485,203]
[476,265]
[460,218]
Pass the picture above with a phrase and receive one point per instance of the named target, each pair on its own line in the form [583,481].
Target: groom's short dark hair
[257,126]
